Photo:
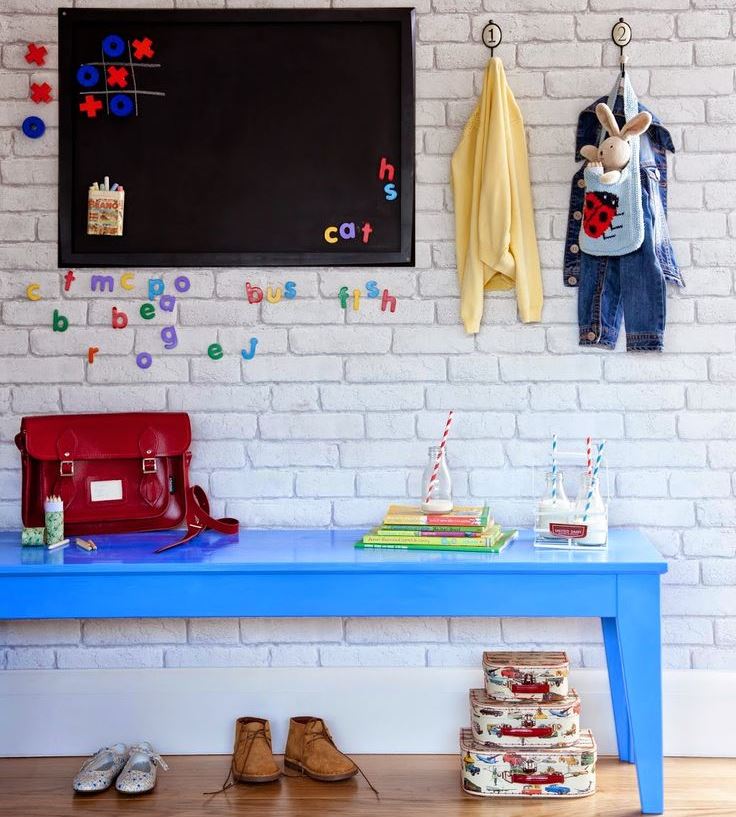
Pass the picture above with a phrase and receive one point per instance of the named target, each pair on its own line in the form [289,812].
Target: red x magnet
[90,106]
[117,77]
[40,92]
[36,53]
[143,48]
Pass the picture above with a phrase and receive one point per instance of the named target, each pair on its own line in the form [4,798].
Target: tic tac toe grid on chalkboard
[240,137]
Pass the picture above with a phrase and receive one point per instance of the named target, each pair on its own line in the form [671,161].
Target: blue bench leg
[618,691]
[638,625]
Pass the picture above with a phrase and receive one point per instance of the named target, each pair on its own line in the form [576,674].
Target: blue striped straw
[593,479]
[554,468]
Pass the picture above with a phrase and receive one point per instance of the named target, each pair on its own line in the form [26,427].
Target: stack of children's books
[468,529]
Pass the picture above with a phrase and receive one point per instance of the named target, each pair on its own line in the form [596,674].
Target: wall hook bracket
[492,35]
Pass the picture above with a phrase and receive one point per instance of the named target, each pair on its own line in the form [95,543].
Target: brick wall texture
[332,418]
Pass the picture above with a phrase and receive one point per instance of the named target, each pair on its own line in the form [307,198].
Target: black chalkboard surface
[279,137]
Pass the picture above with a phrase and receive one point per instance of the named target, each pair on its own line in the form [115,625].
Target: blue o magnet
[88,76]
[113,46]
[121,105]
[33,127]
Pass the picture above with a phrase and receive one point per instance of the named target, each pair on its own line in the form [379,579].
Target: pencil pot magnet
[53,508]
[105,210]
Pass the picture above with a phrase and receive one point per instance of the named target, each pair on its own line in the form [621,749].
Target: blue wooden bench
[319,573]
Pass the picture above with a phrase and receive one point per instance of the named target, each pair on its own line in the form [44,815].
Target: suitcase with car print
[525,675]
[528,771]
[524,723]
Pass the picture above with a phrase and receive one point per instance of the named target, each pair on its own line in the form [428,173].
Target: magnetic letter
[144,360]
[167,303]
[290,289]
[251,353]
[386,170]
[275,297]
[168,336]
[366,229]
[182,283]
[387,299]
[371,288]
[148,311]
[347,229]
[255,294]
[155,287]
[68,278]
[214,350]
[119,319]
[91,352]
[32,292]
[343,296]
[390,191]
[126,280]
[102,282]
[356,300]
[330,235]
[60,322]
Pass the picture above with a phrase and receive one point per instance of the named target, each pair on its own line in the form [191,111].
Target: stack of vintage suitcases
[525,736]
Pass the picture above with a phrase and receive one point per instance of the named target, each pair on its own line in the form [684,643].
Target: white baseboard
[374,710]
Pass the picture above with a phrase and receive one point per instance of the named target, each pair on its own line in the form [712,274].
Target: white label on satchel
[105,490]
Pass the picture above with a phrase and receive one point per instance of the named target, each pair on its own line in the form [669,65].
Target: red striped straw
[440,454]
[588,449]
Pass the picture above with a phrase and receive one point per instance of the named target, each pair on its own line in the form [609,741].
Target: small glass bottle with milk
[439,498]
[554,505]
[597,513]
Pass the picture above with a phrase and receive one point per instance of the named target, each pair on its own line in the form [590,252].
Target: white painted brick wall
[332,418]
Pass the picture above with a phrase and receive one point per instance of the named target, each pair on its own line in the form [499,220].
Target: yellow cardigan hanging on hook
[494,216]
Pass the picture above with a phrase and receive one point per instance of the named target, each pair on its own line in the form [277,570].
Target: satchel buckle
[149,465]
[66,468]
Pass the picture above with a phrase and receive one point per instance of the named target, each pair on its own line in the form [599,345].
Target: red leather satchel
[116,473]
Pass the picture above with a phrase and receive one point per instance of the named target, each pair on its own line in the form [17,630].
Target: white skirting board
[369,710]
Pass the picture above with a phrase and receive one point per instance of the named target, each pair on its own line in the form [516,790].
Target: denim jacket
[654,145]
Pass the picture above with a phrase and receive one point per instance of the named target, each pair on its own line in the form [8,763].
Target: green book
[503,542]
[485,539]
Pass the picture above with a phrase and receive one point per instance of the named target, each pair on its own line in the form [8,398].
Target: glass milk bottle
[554,505]
[441,499]
[597,516]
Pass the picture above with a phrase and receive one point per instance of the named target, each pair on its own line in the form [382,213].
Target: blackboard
[239,137]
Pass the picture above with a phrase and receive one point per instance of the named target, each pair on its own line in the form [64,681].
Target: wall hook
[492,35]
[621,36]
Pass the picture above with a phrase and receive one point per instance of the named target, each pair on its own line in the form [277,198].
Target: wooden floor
[410,786]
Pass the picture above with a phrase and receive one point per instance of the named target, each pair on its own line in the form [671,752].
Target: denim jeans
[631,287]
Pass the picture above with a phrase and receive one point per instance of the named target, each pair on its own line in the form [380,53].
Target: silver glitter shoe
[98,771]
[139,774]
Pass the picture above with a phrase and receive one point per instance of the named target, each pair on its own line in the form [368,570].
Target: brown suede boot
[311,750]
[252,760]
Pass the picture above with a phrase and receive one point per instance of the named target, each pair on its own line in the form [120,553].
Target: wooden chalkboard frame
[68,17]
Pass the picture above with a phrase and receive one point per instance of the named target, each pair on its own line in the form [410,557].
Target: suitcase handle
[527,732]
[529,689]
[555,777]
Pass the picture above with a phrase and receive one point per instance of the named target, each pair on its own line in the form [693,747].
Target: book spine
[435,534]
[436,520]
[425,546]
[484,542]
[470,529]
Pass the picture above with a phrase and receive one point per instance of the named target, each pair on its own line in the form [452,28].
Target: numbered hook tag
[621,33]
[492,35]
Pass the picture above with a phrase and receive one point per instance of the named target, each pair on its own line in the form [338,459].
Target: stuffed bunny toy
[615,152]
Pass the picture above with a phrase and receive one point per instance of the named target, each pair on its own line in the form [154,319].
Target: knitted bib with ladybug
[613,215]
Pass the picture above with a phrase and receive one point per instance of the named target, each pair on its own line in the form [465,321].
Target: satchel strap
[199,519]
